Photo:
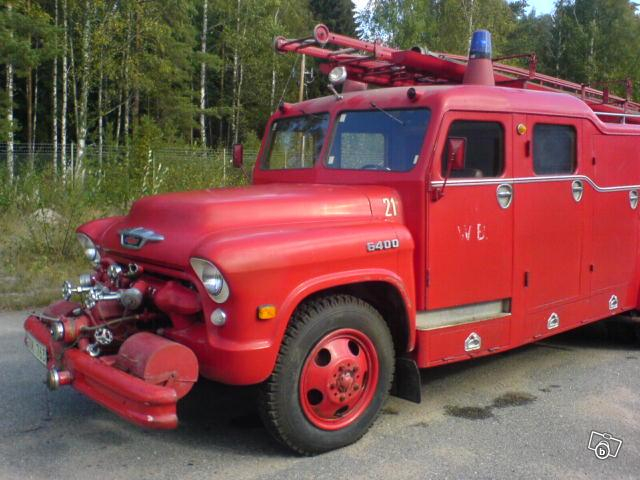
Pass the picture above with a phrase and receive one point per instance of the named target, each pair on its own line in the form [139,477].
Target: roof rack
[377,64]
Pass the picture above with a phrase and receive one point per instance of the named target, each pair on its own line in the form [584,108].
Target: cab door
[550,197]
[470,227]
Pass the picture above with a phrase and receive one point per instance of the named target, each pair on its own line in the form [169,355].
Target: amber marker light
[521,128]
[266,312]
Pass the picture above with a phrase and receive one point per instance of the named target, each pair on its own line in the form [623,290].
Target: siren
[480,66]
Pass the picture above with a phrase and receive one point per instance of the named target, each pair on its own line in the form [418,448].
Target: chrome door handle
[577,190]
[633,199]
[504,194]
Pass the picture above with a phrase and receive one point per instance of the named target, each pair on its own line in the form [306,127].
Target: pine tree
[335,14]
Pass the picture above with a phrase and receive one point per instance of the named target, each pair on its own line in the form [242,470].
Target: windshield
[378,139]
[296,142]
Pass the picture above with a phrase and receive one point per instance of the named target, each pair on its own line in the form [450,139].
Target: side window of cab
[554,149]
[484,150]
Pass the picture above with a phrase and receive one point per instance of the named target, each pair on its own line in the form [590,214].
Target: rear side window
[484,155]
[554,149]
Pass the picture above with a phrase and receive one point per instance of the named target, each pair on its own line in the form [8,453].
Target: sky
[541,6]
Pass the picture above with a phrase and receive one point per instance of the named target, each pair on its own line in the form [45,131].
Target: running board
[474,312]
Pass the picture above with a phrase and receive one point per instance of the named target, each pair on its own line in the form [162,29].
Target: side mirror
[238,155]
[456,153]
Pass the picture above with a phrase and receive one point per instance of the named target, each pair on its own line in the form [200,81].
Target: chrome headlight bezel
[90,249]
[211,278]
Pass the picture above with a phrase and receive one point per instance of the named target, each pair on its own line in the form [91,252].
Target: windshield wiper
[392,117]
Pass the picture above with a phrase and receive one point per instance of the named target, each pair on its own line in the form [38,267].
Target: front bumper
[142,403]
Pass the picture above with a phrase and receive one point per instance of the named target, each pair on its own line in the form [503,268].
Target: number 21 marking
[391,207]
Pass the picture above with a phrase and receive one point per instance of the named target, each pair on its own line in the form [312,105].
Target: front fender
[96,228]
[283,265]
[343,278]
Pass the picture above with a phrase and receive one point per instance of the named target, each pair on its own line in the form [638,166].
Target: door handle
[504,194]
[633,199]
[577,189]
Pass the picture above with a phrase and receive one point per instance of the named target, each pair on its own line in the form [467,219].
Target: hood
[174,224]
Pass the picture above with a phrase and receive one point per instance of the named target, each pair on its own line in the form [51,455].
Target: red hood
[186,219]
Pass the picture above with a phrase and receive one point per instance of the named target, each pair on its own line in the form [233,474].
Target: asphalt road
[521,414]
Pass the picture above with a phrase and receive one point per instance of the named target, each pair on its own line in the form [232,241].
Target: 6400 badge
[383,245]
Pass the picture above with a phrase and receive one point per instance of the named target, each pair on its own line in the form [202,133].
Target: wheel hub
[346,380]
[338,379]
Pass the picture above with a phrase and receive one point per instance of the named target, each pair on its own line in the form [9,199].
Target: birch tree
[65,89]
[10,126]
[84,84]
[54,97]
[203,74]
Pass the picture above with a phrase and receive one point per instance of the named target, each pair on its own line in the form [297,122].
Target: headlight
[212,280]
[90,248]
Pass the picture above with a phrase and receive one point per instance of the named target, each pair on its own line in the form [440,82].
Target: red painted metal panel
[447,345]
[470,237]
[549,225]
[615,223]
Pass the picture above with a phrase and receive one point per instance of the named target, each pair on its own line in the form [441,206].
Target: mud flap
[406,383]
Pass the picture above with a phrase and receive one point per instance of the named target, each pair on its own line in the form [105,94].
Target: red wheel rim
[339,379]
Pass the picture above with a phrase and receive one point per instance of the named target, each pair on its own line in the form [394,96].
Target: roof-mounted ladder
[377,64]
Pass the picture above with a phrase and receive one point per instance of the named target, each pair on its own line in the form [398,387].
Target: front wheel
[332,376]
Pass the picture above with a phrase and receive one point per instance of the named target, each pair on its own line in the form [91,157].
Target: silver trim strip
[605,114]
[473,182]
[470,313]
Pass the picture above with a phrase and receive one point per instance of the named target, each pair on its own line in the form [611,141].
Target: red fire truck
[437,209]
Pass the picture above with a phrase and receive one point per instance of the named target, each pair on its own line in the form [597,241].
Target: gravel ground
[521,414]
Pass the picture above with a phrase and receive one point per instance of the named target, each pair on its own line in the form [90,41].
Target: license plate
[36,348]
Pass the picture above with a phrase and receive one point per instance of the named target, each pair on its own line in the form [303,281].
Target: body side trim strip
[542,179]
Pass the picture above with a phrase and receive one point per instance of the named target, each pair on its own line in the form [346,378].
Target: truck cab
[385,230]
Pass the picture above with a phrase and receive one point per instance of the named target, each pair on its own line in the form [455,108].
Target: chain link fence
[161,168]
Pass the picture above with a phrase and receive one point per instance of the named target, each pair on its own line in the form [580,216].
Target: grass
[36,255]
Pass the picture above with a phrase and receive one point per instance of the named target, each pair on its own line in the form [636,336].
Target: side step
[459,315]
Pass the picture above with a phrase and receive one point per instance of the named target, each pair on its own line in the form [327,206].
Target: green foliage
[597,40]
[335,14]
[26,35]
[439,25]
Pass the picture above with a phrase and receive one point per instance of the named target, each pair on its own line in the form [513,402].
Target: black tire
[279,398]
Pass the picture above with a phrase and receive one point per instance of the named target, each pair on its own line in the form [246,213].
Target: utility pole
[302,73]
[300,99]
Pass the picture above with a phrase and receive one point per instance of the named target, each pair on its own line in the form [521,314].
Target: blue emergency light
[480,44]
